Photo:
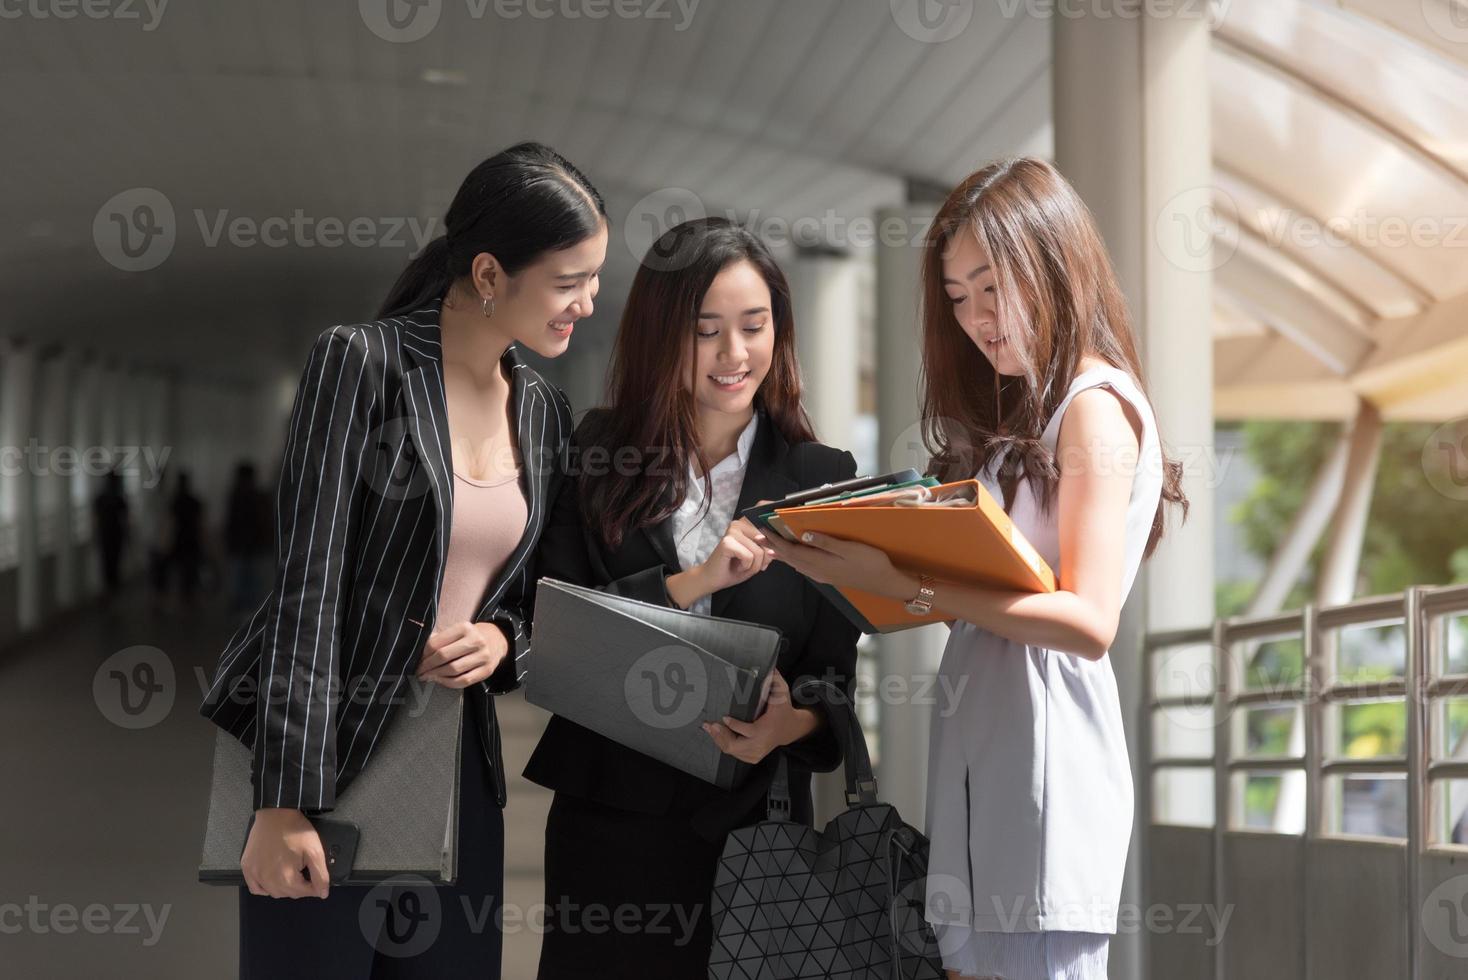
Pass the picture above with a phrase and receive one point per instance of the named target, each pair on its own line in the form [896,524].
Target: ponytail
[425,279]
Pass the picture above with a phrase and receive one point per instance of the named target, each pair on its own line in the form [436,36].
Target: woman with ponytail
[420,458]
[1033,387]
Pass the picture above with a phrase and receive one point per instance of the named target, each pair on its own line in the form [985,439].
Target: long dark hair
[652,416]
[1057,296]
[517,205]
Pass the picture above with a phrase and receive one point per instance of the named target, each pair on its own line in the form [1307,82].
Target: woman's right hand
[282,843]
[740,555]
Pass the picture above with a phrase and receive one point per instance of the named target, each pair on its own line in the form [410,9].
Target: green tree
[1415,535]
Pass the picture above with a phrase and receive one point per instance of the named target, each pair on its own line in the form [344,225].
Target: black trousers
[626,894]
[392,931]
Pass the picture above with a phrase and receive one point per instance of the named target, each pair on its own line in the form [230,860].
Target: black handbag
[791,902]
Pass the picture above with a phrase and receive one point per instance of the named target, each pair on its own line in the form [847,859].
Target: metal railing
[1320,696]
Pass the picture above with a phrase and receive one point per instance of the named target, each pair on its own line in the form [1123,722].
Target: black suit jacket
[363,512]
[822,643]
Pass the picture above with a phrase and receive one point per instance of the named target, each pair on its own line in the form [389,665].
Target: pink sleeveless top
[488,520]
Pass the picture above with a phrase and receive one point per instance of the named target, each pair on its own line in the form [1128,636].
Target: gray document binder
[405,801]
[647,676]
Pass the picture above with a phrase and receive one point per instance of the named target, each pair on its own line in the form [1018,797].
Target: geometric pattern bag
[791,902]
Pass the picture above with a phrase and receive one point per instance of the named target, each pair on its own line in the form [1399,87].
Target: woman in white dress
[1032,386]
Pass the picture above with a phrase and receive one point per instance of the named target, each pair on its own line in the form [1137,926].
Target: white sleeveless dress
[1029,800]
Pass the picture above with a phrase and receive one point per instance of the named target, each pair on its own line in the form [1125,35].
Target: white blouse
[697,530]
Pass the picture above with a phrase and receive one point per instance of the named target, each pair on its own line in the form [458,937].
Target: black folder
[405,802]
[648,676]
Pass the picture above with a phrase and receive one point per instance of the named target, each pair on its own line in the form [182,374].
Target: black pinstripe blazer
[363,509]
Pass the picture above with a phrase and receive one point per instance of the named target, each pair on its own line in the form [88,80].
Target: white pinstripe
[262,635]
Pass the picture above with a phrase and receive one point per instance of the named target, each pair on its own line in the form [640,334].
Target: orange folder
[974,542]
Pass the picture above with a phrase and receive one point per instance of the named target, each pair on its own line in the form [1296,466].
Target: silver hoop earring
[488,306]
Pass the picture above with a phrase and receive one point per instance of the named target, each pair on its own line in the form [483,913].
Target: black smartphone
[339,842]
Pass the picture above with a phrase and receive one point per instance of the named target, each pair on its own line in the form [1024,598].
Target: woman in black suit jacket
[386,416]
[705,371]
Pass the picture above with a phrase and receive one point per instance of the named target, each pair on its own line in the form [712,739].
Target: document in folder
[648,676]
[954,531]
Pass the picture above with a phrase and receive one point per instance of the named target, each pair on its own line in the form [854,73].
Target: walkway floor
[102,824]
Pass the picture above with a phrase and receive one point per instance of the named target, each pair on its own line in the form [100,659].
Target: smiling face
[968,279]
[538,306]
[735,340]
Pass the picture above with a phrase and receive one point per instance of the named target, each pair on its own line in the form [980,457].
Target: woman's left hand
[844,564]
[781,724]
[462,654]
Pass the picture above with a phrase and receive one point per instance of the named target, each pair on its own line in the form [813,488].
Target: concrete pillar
[87,433]
[1293,552]
[903,725]
[64,457]
[825,290]
[825,293]
[1132,133]
[17,415]
[1342,562]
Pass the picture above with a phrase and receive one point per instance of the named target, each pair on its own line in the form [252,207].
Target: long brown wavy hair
[652,419]
[1057,300]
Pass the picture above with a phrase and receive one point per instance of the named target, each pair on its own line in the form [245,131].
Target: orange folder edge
[977,544]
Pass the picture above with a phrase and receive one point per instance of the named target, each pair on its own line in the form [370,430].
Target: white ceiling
[1323,111]
[781,108]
